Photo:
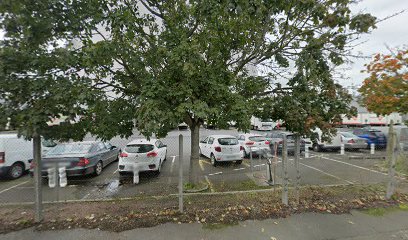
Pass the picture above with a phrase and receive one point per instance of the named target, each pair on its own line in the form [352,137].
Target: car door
[203,146]
[103,153]
[112,154]
[161,149]
[210,146]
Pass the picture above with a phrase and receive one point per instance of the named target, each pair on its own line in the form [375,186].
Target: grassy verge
[213,211]
[379,212]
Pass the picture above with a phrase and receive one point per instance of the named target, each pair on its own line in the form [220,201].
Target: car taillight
[249,143]
[2,157]
[241,148]
[267,142]
[123,155]
[83,162]
[280,142]
[152,154]
[217,149]
[351,141]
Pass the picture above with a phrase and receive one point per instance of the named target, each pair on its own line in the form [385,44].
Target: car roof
[251,135]
[221,136]
[142,141]
[83,142]
[280,132]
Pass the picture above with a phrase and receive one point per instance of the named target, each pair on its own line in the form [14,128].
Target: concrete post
[392,157]
[38,217]
[180,188]
[342,149]
[285,199]
[307,152]
[297,159]
[372,148]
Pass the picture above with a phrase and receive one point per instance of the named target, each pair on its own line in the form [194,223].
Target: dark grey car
[80,158]
[277,137]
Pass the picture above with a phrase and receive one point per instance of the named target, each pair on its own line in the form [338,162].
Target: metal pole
[38,217]
[250,159]
[297,159]
[56,172]
[181,173]
[285,171]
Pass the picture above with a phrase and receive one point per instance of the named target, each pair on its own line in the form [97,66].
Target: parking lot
[322,168]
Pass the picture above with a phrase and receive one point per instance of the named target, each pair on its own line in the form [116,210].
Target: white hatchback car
[147,155]
[221,148]
[253,142]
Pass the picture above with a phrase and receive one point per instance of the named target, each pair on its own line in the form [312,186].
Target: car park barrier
[372,149]
[307,152]
[342,149]
[63,182]
[135,170]
[52,177]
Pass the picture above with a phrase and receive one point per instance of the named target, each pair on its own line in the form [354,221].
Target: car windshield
[257,138]
[48,143]
[348,135]
[70,148]
[139,148]
[228,141]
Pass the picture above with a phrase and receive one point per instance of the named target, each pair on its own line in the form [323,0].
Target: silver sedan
[352,141]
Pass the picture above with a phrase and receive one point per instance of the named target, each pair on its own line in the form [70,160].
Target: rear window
[257,138]
[228,141]
[139,148]
[72,148]
[348,135]
[376,133]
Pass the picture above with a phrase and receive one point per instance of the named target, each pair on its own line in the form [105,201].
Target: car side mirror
[163,146]
[113,147]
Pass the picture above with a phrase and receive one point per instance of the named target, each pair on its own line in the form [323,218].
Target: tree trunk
[195,155]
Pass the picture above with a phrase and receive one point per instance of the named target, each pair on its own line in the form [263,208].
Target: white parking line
[212,174]
[115,171]
[328,174]
[237,169]
[172,163]
[260,165]
[5,190]
[356,166]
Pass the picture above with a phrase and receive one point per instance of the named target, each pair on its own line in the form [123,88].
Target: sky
[392,32]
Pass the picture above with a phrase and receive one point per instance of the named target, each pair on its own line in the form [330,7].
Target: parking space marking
[260,165]
[5,190]
[115,171]
[209,184]
[328,174]
[172,163]
[353,165]
[246,164]
[238,169]
[212,174]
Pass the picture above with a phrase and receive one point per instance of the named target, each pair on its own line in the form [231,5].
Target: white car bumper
[131,166]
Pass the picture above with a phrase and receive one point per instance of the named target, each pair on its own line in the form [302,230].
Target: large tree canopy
[386,89]
[164,62]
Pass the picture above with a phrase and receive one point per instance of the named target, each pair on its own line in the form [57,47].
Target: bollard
[342,149]
[269,172]
[135,173]
[63,182]
[372,148]
[52,178]
[306,152]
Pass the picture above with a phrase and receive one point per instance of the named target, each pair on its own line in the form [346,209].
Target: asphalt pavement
[327,168]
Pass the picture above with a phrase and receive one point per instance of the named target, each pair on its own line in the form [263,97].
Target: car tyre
[213,160]
[165,156]
[98,168]
[316,147]
[245,154]
[16,170]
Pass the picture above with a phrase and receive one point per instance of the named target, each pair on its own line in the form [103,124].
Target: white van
[15,153]
[318,145]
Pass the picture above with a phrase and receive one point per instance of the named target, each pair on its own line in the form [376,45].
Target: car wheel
[316,147]
[16,170]
[238,162]
[213,160]
[199,152]
[98,168]
[165,156]
[245,154]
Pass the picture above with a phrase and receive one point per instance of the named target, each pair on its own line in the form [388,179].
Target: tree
[174,61]
[386,89]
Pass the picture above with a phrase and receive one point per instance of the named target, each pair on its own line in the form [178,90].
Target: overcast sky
[392,32]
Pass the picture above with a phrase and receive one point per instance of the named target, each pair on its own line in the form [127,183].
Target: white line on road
[328,174]
[115,171]
[237,169]
[172,163]
[5,190]
[260,165]
[356,166]
[212,174]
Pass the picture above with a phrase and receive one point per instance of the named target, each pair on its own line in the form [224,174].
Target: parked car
[221,148]
[255,142]
[277,137]
[402,134]
[80,158]
[149,155]
[15,154]
[352,142]
[373,136]
[319,144]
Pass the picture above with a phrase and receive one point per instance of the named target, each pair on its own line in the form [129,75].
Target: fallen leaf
[262,230]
